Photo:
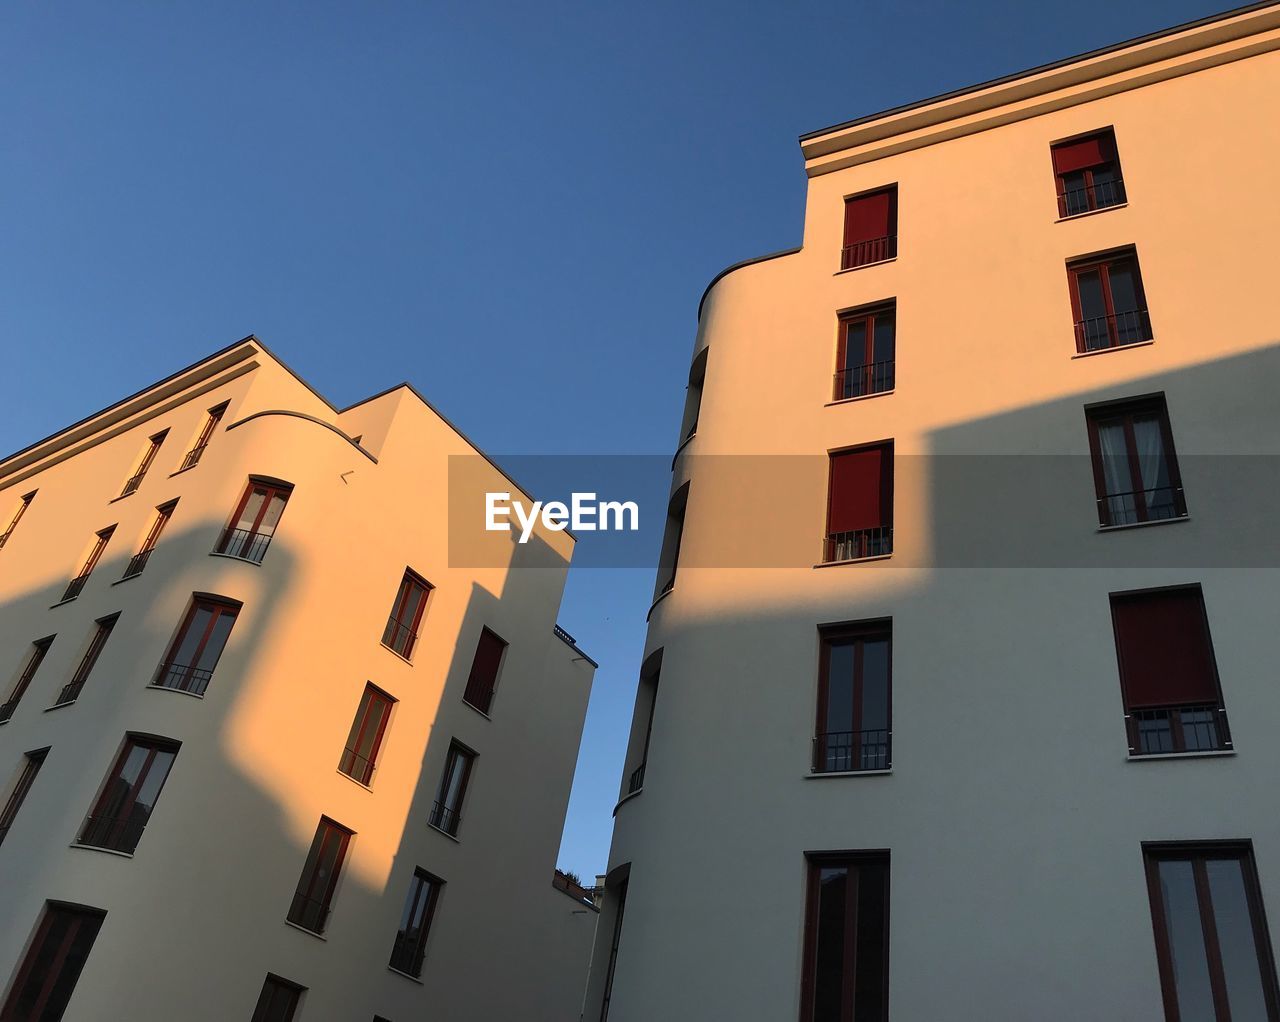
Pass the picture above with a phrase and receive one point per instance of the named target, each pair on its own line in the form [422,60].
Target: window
[101,632]
[139,560]
[864,352]
[48,973]
[194,654]
[17,517]
[401,633]
[100,542]
[206,434]
[1135,467]
[853,731]
[38,650]
[1088,173]
[129,795]
[1108,302]
[31,764]
[360,757]
[846,946]
[278,1000]
[647,692]
[311,901]
[860,503]
[148,456]
[613,950]
[672,540]
[1168,675]
[255,521]
[870,228]
[693,398]
[411,940]
[1211,933]
[484,670]
[446,813]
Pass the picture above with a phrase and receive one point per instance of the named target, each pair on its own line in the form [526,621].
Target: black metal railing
[561,634]
[6,710]
[1158,504]
[1199,727]
[637,780]
[1102,332]
[133,483]
[309,913]
[1086,198]
[70,692]
[444,818]
[75,586]
[399,637]
[849,751]
[850,546]
[117,833]
[136,563]
[406,954]
[873,250]
[245,544]
[859,381]
[183,677]
[357,767]
[193,457]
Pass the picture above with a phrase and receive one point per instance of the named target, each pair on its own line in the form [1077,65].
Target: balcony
[444,818]
[1200,727]
[636,781]
[874,250]
[308,913]
[193,457]
[114,833]
[1159,504]
[136,563]
[133,483]
[1114,331]
[245,544]
[1089,197]
[864,380]
[74,587]
[861,543]
[851,751]
[358,768]
[404,954]
[183,678]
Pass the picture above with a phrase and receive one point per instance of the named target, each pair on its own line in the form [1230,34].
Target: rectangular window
[48,973]
[415,921]
[484,670]
[846,947]
[1088,173]
[865,352]
[139,560]
[255,521]
[1135,467]
[319,880]
[614,942]
[364,742]
[278,1001]
[1108,302]
[17,517]
[646,692]
[100,542]
[101,632]
[129,795]
[194,654]
[206,434]
[446,814]
[870,228]
[401,633]
[148,456]
[1168,675]
[860,503]
[1212,944]
[854,689]
[31,764]
[38,650]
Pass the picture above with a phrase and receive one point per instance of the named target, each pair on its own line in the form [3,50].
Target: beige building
[267,751]
[959,699]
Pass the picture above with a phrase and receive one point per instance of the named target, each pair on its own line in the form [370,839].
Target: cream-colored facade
[196,915]
[1013,815]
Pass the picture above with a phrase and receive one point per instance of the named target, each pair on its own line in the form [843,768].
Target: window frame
[103,627]
[309,878]
[890,241]
[154,443]
[370,695]
[859,632]
[872,380]
[101,538]
[118,834]
[868,543]
[1108,136]
[28,771]
[138,562]
[213,417]
[192,684]
[1126,410]
[274,984]
[24,502]
[472,688]
[39,650]
[54,976]
[1103,262]
[615,943]
[408,581]
[417,951]
[444,817]
[249,542]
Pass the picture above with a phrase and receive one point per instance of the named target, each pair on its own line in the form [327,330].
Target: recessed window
[101,632]
[76,585]
[1087,170]
[23,504]
[646,703]
[846,946]
[870,228]
[1135,467]
[672,539]
[278,1001]
[364,741]
[865,352]
[401,633]
[47,976]
[314,896]
[614,944]
[446,814]
[1211,933]
[38,650]
[693,397]
[129,796]
[1168,675]
[483,678]
[194,652]
[255,521]
[1107,301]
[206,434]
[853,731]
[139,560]
[410,946]
[148,456]
[860,503]
[31,764]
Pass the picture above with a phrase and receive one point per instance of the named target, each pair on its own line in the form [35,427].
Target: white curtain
[1155,476]
[1115,473]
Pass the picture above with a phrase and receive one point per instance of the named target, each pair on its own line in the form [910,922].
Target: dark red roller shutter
[861,489]
[1082,153]
[484,671]
[1162,640]
[870,217]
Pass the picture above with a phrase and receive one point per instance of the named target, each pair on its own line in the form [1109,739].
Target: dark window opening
[17,517]
[1135,467]
[189,664]
[38,650]
[206,434]
[1108,303]
[860,503]
[76,585]
[364,741]
[693,399]
[31,764]
[129,796]
[865,352]
[446,814]
[139,560]
[410,946]
[1088,174]
[255,521]
[854,689]
[47,976]
[401,633]
[135,480]
[870,228]
[483,679]
[101,632]
[314,896]
[613,950]
[672,539]
[647,692]
[278,1000]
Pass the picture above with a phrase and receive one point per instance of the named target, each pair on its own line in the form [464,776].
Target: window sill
[412,979]
[302,929]
[176,691]
[1118,347]
[1143,525]
[234,557]
[127,578]
[359,784]
[1199,754]
[61,602]
[398,656]
[441,830]
[863,266]
[853,560]
[123,496]
[627,798]
[661,596]
[104,851]
[860,397]
[476,709]
[1090,212]
[685,443]
[814,775]
[59,706]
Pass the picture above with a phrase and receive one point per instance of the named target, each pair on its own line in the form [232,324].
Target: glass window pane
[191,638]
[1235,940]
[869,942]
[883,340]
[217,639]
[840,687]
[829,967]
[855,348]
[1090,290]
[1124,288]
[1186,940]
[251,508]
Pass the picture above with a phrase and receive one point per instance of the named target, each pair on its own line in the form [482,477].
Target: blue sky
[514,206]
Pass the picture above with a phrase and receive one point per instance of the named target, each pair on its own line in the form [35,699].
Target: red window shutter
[484,671]
[1085,152]
[861,489]
[870,217]
[1165,654]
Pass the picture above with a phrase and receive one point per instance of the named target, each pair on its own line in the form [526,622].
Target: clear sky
[515,206]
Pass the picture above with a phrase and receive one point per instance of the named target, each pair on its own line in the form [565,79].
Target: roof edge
[739,265]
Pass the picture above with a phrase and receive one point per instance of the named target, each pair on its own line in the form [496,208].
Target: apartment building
[267,751]
[958,699]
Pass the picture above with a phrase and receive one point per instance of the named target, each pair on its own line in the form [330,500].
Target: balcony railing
[1102,332]
[849,751]
[859,381]
[873,250]
[357,767]
[637,780]
[444,818]
[1086,198]
[309,913]
[183,677]
[1199,727]
[399,637]
[136,563]
[406,954]
[850,546]
[134,481]
[193,457]
[75,586]
[245,544]
[70,693]
[1157,505]
[6,710]
[117,833]
[667,586]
